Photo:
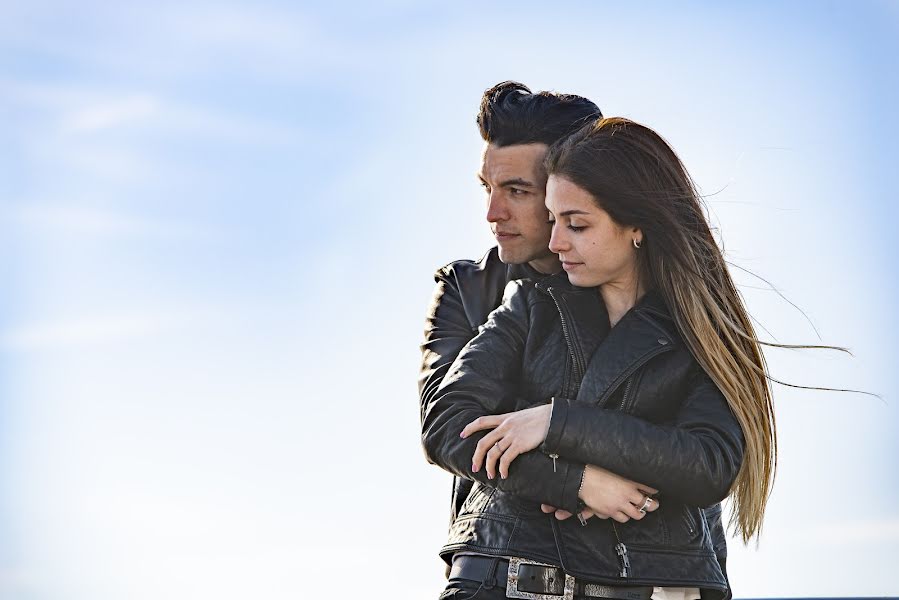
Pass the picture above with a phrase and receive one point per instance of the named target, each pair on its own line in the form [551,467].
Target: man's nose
[497,209]
[558,241]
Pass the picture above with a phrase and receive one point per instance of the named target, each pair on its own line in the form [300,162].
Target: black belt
[522,578]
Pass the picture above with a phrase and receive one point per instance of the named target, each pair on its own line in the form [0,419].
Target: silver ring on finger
[646,504]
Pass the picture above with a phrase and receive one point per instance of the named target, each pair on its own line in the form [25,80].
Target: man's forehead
[517,160]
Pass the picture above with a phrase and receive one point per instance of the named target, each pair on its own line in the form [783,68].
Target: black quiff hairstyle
[511,114]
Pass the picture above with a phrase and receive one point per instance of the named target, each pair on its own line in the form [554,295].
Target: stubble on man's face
[515,182]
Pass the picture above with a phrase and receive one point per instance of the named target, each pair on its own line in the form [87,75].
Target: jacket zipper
[566,331]
[627,390]
[630,371]
[621,551]
[569,386]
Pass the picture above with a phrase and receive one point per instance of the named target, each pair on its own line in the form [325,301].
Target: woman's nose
[557,241]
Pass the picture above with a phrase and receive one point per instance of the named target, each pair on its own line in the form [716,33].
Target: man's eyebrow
[516,181]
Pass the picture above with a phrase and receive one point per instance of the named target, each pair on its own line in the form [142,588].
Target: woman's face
[594,250]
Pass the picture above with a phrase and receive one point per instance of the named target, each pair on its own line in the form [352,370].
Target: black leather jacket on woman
[631,399]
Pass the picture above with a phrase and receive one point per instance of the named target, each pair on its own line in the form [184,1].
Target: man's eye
[551,221]
[517,191]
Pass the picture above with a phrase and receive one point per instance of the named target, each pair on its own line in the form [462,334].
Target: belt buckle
[512,590]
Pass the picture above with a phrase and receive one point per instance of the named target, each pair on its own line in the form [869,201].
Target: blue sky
[219,224]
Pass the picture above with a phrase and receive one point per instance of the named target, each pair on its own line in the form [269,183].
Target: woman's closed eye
[574,228]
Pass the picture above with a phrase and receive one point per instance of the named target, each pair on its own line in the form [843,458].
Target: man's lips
[502,235]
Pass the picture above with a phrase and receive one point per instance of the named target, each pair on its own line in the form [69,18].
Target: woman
[642,363]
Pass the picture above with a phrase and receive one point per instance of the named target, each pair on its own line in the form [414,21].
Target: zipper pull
[621,550]
[554,457]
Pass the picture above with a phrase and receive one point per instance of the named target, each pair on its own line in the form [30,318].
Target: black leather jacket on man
[466,293]
[685,441]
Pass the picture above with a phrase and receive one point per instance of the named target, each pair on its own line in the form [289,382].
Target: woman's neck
[620,297]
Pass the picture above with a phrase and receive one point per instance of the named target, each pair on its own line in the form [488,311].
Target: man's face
[515,182]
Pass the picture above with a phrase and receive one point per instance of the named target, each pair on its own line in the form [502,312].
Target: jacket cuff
[557,420]
[571,488]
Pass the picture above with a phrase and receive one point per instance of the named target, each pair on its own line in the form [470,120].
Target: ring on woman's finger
[646,504]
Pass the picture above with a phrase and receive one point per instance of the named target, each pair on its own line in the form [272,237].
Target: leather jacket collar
[645,331]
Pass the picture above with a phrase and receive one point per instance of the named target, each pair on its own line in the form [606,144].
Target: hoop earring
[636,243]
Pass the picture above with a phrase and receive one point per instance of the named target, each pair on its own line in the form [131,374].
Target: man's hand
[513,434]
[609,495]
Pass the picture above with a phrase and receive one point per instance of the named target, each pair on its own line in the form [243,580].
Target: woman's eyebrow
[573,212]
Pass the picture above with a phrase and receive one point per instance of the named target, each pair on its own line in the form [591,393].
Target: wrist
[549,417]
[558,416]
[580,489]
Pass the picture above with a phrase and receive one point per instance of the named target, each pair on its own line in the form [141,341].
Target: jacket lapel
[589,319]
[634,339]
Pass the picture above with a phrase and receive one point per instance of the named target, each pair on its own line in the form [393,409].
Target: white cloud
[76,110]
[92,330]
[80,220]
[111,113]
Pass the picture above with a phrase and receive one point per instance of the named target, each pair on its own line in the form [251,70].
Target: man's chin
[512,256]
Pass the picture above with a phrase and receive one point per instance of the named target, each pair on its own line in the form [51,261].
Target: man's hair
[510,114]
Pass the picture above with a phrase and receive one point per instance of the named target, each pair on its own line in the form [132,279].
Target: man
[517,127]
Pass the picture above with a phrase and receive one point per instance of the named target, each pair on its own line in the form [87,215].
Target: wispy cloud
[81,220]
[101,329]
[111,113]
[61,110]
[82,331]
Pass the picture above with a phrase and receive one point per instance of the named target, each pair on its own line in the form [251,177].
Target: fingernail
[474,468]
[462,435]
[489,476]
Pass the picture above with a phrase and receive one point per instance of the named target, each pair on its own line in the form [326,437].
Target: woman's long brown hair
[635,176]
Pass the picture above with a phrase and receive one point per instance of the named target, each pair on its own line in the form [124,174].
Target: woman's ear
[637,236]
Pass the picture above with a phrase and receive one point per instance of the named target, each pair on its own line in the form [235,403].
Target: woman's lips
[570,265]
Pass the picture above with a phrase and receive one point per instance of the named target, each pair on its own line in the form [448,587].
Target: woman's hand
[513,434]
[609,495]
[562,514]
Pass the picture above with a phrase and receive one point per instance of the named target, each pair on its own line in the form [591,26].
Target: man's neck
[546,265]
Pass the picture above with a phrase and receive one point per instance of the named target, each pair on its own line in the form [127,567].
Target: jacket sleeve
[447,330]
[475,385]
[695,459]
